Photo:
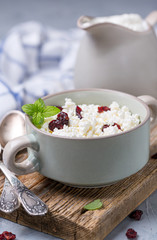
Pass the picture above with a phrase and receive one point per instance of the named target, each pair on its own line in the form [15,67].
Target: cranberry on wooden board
[154,156]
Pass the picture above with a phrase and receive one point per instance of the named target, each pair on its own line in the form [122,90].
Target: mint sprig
[38,111]
[96,204]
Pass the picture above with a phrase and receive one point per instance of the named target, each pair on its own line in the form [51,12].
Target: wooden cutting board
[65,218]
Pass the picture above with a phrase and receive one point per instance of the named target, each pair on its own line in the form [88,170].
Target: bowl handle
[152,104]
[31,164]
[151,19]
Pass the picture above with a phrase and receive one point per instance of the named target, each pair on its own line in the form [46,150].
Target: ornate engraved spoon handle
[8,200]
[31,203]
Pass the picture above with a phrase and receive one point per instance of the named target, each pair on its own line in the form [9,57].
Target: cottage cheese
[92,121]
[131,21]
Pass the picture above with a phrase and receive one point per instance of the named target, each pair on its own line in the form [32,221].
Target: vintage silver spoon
[13,125]
[9,200]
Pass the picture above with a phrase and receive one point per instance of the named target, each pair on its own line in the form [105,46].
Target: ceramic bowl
[86,162]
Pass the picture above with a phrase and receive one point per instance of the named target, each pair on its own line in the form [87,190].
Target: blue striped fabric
[35,61]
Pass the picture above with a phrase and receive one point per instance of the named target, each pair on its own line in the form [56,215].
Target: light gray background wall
[63,14]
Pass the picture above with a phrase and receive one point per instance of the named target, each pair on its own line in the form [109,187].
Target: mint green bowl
[86,162]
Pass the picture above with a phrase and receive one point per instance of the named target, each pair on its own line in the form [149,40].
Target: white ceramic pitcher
[115,57]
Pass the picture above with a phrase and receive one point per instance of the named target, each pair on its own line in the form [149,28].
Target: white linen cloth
[34,61]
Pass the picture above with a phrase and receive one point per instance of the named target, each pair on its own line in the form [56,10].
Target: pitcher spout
[85,22]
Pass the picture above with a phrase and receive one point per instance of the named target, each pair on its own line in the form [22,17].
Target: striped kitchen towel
[34,61]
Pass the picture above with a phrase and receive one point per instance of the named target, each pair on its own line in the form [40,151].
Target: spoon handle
[31,203]
[9,199]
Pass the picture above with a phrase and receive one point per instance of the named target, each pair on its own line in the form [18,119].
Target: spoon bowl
[12,126]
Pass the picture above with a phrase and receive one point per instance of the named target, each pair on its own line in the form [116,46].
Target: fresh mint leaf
[96,204]
[38,119]
[39,105]
[38,111]
[50,111]
[29,109]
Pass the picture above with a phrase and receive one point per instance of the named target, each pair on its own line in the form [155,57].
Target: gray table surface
[63,14]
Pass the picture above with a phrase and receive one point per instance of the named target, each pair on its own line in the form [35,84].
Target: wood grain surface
[65,218]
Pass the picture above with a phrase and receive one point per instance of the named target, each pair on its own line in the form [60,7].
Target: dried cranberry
[136,214]
[59,107]
[55,124]
[118,126]
[78,112]
[63,118]
[52,125]
[131,233]
[103,109]
[8,235]
[105,126]
[2,237]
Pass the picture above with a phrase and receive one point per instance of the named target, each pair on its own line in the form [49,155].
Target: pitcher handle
[151,19]
[29,165]
[151,102]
